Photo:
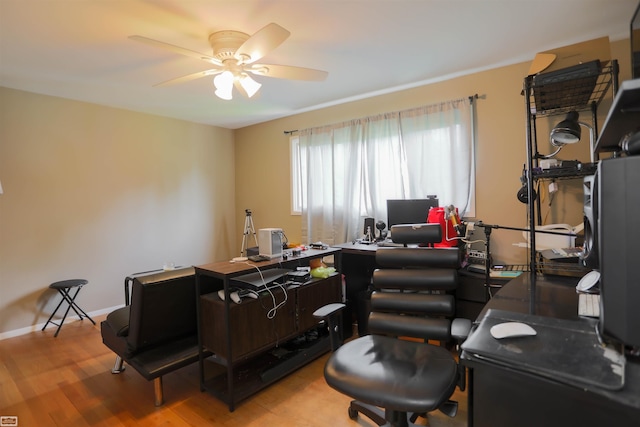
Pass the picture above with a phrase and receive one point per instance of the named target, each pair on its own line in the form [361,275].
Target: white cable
[446,232]
[273,311]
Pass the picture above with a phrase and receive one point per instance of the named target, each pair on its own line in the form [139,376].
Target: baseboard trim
[38,327]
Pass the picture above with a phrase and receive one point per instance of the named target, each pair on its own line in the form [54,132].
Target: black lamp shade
[567,131]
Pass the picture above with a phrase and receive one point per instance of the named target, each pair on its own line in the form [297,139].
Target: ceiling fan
[234,58]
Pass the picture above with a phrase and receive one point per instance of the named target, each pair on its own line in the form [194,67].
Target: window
[345,172]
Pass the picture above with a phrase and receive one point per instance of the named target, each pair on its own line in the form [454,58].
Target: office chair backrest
[416,233]
[412,292]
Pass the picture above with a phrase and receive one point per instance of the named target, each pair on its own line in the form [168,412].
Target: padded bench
[157,333]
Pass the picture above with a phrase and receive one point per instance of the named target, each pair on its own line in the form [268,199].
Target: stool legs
[71,304]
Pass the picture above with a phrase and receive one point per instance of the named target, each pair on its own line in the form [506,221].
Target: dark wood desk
[240,335]
[544,384]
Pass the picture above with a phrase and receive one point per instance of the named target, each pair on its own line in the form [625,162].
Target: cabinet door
[254,324]
[314,295]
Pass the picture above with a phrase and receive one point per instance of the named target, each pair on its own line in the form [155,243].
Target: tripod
[248,229]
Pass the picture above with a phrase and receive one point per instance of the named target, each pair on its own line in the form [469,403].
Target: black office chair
[394,380]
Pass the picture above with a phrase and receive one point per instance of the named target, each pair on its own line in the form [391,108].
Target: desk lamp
[568,132]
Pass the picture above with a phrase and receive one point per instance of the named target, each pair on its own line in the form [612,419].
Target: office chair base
[381,417]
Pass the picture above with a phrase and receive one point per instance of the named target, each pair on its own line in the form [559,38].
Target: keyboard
[567,252]
[258,258]
[389,244]
[589,305]
[512,267]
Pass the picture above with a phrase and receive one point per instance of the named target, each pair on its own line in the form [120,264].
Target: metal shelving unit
[545,96]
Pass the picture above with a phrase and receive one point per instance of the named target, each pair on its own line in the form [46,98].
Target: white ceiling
[79,49]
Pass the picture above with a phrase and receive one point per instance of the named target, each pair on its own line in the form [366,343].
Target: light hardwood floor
[67,382]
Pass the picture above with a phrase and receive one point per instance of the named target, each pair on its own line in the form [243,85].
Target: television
[635,44]
[409,211]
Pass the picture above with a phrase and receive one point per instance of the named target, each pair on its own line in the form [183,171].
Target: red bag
[437,215]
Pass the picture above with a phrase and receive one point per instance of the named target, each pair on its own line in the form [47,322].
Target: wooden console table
[255,346]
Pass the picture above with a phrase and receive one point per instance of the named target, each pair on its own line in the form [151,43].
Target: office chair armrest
[332,315]
[328,310]
[460,329]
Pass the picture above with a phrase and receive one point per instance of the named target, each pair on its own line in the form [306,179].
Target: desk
[240,335]
[357,262]
[506,393]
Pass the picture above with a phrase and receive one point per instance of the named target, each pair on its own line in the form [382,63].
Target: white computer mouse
[511,330]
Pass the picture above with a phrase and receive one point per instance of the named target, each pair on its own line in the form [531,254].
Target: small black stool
[64,288]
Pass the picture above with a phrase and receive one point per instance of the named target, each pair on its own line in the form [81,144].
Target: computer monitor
[409,211]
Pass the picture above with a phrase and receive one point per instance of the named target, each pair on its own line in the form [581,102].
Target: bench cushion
[160,360]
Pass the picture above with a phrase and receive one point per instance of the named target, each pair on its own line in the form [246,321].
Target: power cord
[271,312]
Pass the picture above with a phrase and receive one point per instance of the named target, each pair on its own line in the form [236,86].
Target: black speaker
[619,249]
[589,257]
[523,193]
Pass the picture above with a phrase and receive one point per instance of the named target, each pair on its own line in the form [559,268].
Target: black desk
[356,262]
[531,388]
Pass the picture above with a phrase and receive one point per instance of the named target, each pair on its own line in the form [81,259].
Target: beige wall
[99,193]
[262,172]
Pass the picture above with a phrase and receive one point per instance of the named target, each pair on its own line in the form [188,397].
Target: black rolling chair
[394,380]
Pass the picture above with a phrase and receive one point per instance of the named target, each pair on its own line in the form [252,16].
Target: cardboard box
[575,54]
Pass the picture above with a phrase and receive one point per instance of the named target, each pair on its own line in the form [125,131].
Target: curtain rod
[471,98]
[476,96]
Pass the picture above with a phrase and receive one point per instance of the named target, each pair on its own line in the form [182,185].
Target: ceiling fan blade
[261,43]
[190,77]
[287,72]
[238,86]
[176,49]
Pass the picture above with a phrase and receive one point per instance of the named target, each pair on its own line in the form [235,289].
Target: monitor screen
[634,38]
[409,211]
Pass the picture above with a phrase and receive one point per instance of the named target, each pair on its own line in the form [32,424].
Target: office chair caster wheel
[353,414]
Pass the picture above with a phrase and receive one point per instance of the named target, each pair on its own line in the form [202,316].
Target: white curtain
[349,170]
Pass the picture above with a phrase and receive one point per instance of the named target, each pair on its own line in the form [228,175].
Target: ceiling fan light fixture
[234,56]
[224,85]
[249,85]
